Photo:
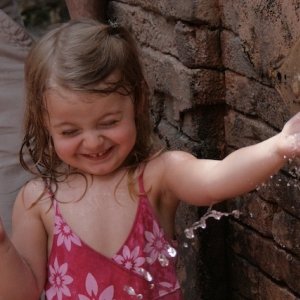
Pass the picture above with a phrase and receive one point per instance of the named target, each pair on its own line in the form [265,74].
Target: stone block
[269,289]
[198,46]
[267,30]
[175,140]
[285,229]
[150,29]
[241,131]
[255,212]
[284,190]
[188,87]
[201,11]
[234,56]
[256,99]
[250,283]
[266,254]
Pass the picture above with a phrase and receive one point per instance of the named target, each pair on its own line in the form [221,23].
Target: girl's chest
[102,224]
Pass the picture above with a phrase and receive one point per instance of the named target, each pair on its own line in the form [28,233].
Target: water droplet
[277,239]
[146,274]
[236,213]
[151,286]
[203,225]
[130,290]
[189,233]
[185,245]
[163,260]
[171,251]
[289,257]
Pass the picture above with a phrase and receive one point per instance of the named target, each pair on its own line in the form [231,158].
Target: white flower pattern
[65,235]
[92,290]
[59,280]
[130,260]
[156,243]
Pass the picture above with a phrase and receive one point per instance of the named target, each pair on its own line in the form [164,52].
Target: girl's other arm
[205,182]
[95,9]
[23,259]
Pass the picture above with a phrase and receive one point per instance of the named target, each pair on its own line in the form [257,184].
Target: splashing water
[146,274]
[130,291]
[291,182]
[171,251]
[189,232]
[163,260]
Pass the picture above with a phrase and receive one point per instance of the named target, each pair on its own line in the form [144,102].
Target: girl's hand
[288,142]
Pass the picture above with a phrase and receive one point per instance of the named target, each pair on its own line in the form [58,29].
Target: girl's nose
[93,140]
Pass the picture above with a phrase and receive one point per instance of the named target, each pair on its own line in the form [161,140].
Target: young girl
[97,222]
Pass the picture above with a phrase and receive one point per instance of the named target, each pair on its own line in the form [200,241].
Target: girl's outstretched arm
[205,182]
[23,259]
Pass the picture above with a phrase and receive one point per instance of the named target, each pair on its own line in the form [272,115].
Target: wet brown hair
[79,55]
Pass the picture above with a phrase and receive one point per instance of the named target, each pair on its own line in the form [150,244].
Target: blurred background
[42,15]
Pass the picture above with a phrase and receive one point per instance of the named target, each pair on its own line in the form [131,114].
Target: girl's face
[91,132]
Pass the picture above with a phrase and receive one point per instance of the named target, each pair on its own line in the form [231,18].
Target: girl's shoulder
[161,167]
[166,160]
[33,191]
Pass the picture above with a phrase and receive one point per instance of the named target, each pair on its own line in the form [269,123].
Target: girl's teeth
[97,155]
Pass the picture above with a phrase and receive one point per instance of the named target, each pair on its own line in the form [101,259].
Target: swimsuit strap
[141,178]
[49,189]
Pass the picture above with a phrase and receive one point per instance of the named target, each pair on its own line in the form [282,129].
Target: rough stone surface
[217,84]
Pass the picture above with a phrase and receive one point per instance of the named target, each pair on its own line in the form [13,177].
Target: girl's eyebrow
[112,113]
[62,124]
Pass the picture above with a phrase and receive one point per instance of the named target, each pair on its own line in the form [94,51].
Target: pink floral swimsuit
[144,267]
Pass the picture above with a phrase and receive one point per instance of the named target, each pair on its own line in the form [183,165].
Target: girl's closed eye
[69,132]
[109,124]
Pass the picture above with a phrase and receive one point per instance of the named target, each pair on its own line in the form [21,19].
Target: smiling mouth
[97,154]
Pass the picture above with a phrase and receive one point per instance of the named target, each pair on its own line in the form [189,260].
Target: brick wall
[180,46]
[264,244]
[209,65]
[222,76]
